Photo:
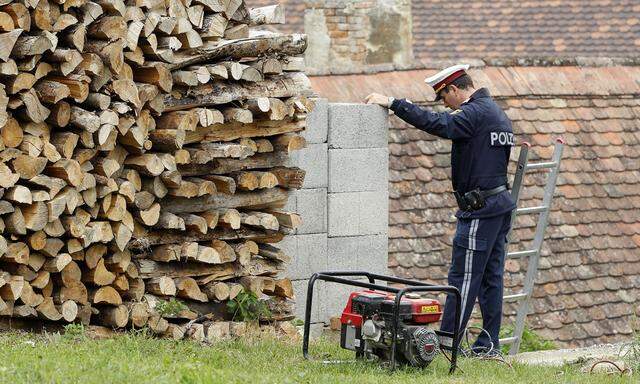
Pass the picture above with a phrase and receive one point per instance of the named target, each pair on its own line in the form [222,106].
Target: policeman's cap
[445,77]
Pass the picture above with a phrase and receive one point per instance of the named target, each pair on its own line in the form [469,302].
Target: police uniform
[482,137]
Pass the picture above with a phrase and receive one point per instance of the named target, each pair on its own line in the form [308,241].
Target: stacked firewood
[144,149]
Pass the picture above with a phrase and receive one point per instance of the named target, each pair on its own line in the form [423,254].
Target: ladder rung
[508,340]
[524,211]
[514,297]
[513,255]
[546,164]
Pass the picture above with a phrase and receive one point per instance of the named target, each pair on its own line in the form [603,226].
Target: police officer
[482,137]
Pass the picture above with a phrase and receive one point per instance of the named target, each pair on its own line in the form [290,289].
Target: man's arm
[455,125]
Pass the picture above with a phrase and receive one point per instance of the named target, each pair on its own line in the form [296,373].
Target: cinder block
[357,126]
[358,213]
[289,245]
[336,297]
[317,123]
[312,207]
[318,311]
[373,255]
[313,160]
[344,210]
[374,213]
[358,253]
[310,256]
[343,253]
[355,170]
[292,201]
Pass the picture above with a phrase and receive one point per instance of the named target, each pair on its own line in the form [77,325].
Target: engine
[367,325]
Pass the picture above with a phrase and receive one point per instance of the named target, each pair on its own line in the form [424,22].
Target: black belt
[475,199]
[493,191]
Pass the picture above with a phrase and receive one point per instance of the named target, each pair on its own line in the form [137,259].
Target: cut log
[57,263]
[268,197]
[8,41]
[29,297]
[250,47]
[68,310]
[115,317]
[260,219]
[287,219]
[71,274]
[284,288]
[75,291]
[67,169]
[12,289]
[195,222]
[268,251]
[99,275]
[163,286]
[169,220]
[216,290]
[17,253]
[188,288]
[289,177]
[47,310]
[273,14]
[41,280]
[289,142]
[105,295]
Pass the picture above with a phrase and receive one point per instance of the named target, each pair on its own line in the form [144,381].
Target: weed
[630,352]
[247,307]
[170,308]
[74,331]
[531,341]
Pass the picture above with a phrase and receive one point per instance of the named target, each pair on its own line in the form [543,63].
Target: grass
[137,358]
[531,341]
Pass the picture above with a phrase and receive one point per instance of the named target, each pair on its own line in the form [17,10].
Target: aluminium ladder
[543,210]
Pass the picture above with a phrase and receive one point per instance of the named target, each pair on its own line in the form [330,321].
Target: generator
[367,324]
[389,319]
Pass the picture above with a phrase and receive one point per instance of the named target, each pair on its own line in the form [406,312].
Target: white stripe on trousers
[468,266]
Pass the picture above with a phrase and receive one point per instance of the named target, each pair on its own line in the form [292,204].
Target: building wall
[343,202]
[349,36]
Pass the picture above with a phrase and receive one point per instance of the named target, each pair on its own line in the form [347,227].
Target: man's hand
[376,98]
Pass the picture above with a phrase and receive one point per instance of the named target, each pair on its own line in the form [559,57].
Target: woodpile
[144,149]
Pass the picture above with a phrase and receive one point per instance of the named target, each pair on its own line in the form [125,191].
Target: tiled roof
[588,286]
[445,29]
[507,28]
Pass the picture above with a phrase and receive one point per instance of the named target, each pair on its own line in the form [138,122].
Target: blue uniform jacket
[482,138]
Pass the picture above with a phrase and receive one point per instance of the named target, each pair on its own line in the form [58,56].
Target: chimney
[351,36]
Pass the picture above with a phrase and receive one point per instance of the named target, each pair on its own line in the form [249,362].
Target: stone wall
[347,36]
[343,202]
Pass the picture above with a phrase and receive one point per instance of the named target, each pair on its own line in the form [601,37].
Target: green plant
[170,308]
[531,341]
[247,307]
[630,352]
[74,331]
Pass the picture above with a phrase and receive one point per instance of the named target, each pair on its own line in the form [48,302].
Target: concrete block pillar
[358,196]
[343,202]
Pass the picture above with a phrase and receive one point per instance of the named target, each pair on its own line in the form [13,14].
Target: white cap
[445,77]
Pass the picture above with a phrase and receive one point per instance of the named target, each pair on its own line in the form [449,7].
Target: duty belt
[476,199]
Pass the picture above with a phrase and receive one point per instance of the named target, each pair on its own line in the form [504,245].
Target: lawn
[136,358]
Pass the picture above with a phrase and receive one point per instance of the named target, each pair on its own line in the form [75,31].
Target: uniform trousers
[477,268]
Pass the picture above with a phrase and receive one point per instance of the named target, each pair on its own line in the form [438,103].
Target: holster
[470,201]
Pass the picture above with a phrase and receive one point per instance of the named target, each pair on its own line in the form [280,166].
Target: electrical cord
[466,349]
[621,370]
